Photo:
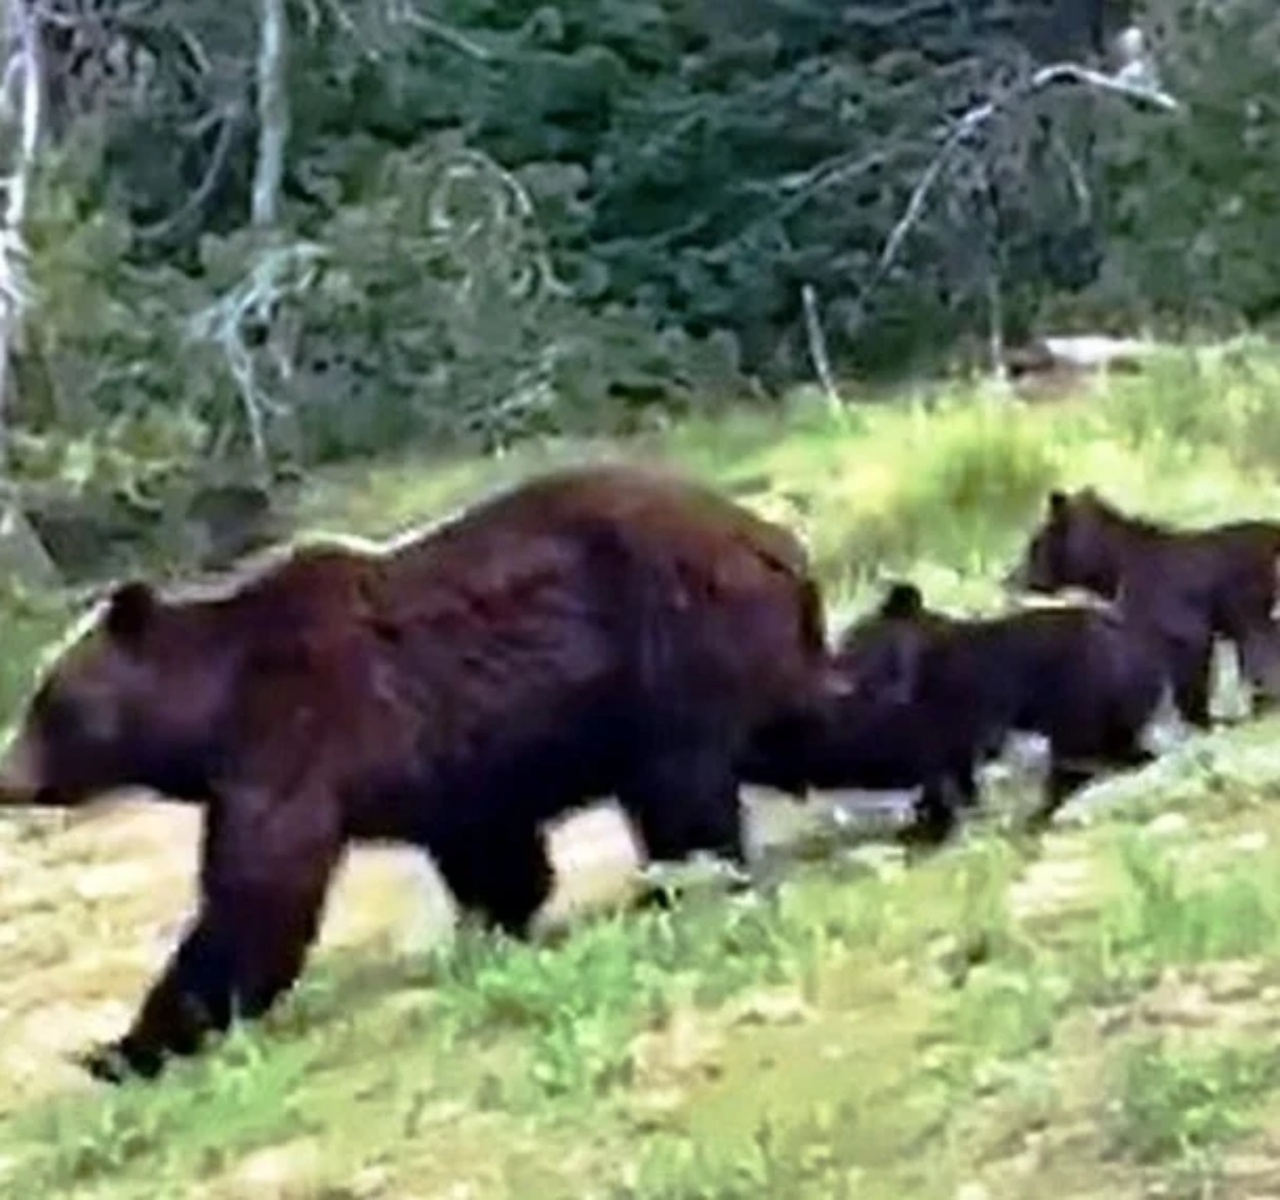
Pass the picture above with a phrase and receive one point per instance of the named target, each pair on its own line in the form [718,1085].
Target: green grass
[1093,1015]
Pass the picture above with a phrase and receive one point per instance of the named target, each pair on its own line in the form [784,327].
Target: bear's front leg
[191,998]
[266,866]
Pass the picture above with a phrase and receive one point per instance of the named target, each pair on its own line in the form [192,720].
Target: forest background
[242,245]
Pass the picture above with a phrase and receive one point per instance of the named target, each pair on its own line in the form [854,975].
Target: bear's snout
[20,777]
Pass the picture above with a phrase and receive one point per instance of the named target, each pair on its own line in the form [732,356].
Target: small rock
[459,1191]
[1048,885]
[1109,1020]
[280,1172]
[1168,824]
[1028,1163]
[772,1008]
[655,1109]
[1251,843]
[685,1048]
[1256,1169]
[1232,981]
[370,1182]
[1176,1002]
[973,1191]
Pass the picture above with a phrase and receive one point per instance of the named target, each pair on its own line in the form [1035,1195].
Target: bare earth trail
[89,912]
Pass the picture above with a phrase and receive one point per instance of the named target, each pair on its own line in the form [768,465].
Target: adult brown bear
[598,630]
[1084,678]
[1189,586]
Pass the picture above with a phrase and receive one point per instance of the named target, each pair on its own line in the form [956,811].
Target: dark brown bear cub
[1189,586]
[871,738]
[599,630]
[1083,678]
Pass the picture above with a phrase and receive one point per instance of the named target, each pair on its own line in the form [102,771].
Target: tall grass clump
[951,484]
[1225,397]
[1168,909]
[1177,1101]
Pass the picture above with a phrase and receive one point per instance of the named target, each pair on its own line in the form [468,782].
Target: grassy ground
[1094,1015]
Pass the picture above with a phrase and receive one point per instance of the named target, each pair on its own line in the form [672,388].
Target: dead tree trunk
[22,105]
[273,111]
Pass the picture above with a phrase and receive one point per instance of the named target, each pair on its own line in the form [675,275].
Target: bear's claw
[119,1061]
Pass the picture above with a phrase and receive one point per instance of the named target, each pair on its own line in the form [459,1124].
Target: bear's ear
[902,600]
[130,609]
[1059,502]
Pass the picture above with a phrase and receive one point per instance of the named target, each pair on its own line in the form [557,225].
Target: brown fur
[1189,586]
[1086,680]
[600,630]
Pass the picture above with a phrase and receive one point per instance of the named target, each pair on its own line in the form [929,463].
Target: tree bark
[273,111]
[23,47]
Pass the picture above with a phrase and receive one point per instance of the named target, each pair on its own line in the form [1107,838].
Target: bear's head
[131,701]
[881,652]
[1074,546]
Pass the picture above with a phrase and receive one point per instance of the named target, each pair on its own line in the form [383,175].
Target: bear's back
[647,505]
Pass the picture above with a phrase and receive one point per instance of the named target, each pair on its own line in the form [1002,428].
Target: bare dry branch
[396,12]
[341,17]
[995,325]
[470,163]
[818,346]
[978,116]
[410,16]
[230,118]
[280,273]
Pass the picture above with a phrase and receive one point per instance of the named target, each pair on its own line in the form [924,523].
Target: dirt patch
[93,906]
[92,910]
[1051,885]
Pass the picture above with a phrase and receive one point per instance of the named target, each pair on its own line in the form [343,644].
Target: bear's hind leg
[1068,774]
[936,815]
[1258,654]
[1192,673]
[503,873]
[684,802]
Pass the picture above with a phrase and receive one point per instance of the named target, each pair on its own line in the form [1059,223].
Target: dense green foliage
[498,222]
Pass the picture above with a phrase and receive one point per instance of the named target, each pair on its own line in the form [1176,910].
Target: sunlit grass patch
[1166,909]
[1181,1098]
[1222,397]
